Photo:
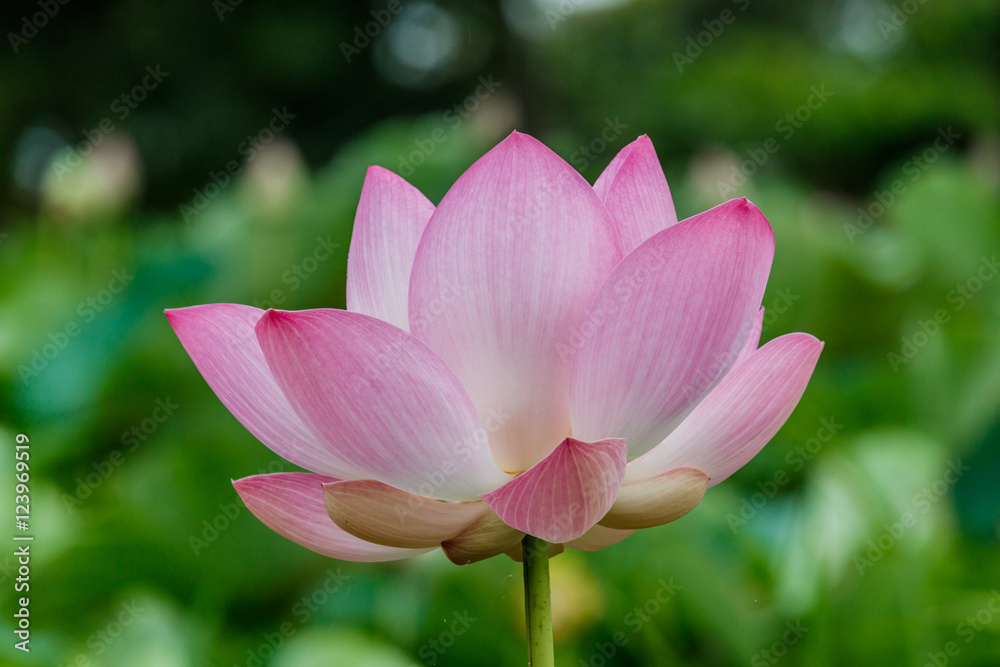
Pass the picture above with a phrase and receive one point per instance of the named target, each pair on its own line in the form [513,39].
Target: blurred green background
[203,149]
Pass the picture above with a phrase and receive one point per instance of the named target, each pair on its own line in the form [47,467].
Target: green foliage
[822,569]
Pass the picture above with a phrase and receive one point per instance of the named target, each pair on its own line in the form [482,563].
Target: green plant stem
[537,602]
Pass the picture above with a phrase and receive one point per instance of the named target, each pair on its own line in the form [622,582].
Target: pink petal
[381,514]
[291,504]
[390,220]
[220,340]
[504,272]
[564,494]
[484,538]
[753,340]
[668,324]
[386,404]
[655,501]
[635,192]
[740,415]
[598,538]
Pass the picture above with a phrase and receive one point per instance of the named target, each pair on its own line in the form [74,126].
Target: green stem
[537,602]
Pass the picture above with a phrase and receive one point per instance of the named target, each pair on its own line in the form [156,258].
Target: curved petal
[390,220]
[563,495]
[291,504]
[505,270]
[655,501]
[668,323]
[220,339]
[597,538]
[484,538]
[635,192]
[384,402]
[740,415]
[382,514]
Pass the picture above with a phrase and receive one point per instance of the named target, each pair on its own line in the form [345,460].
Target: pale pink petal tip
[381,400]
[390,220]
[220,340]
[635,192]
[291,504]
[740,415]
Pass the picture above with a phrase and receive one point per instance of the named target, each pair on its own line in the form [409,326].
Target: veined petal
[382,514]
[668,324]
[753,340]
[485,537]
[740,415]
[381,400]
[564,494]
[635,192]
[505,270]
[291,504]
[390,220]
[220,339]
[597,538]
[657,500]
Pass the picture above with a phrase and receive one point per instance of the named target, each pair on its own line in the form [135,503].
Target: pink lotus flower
[548,357]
